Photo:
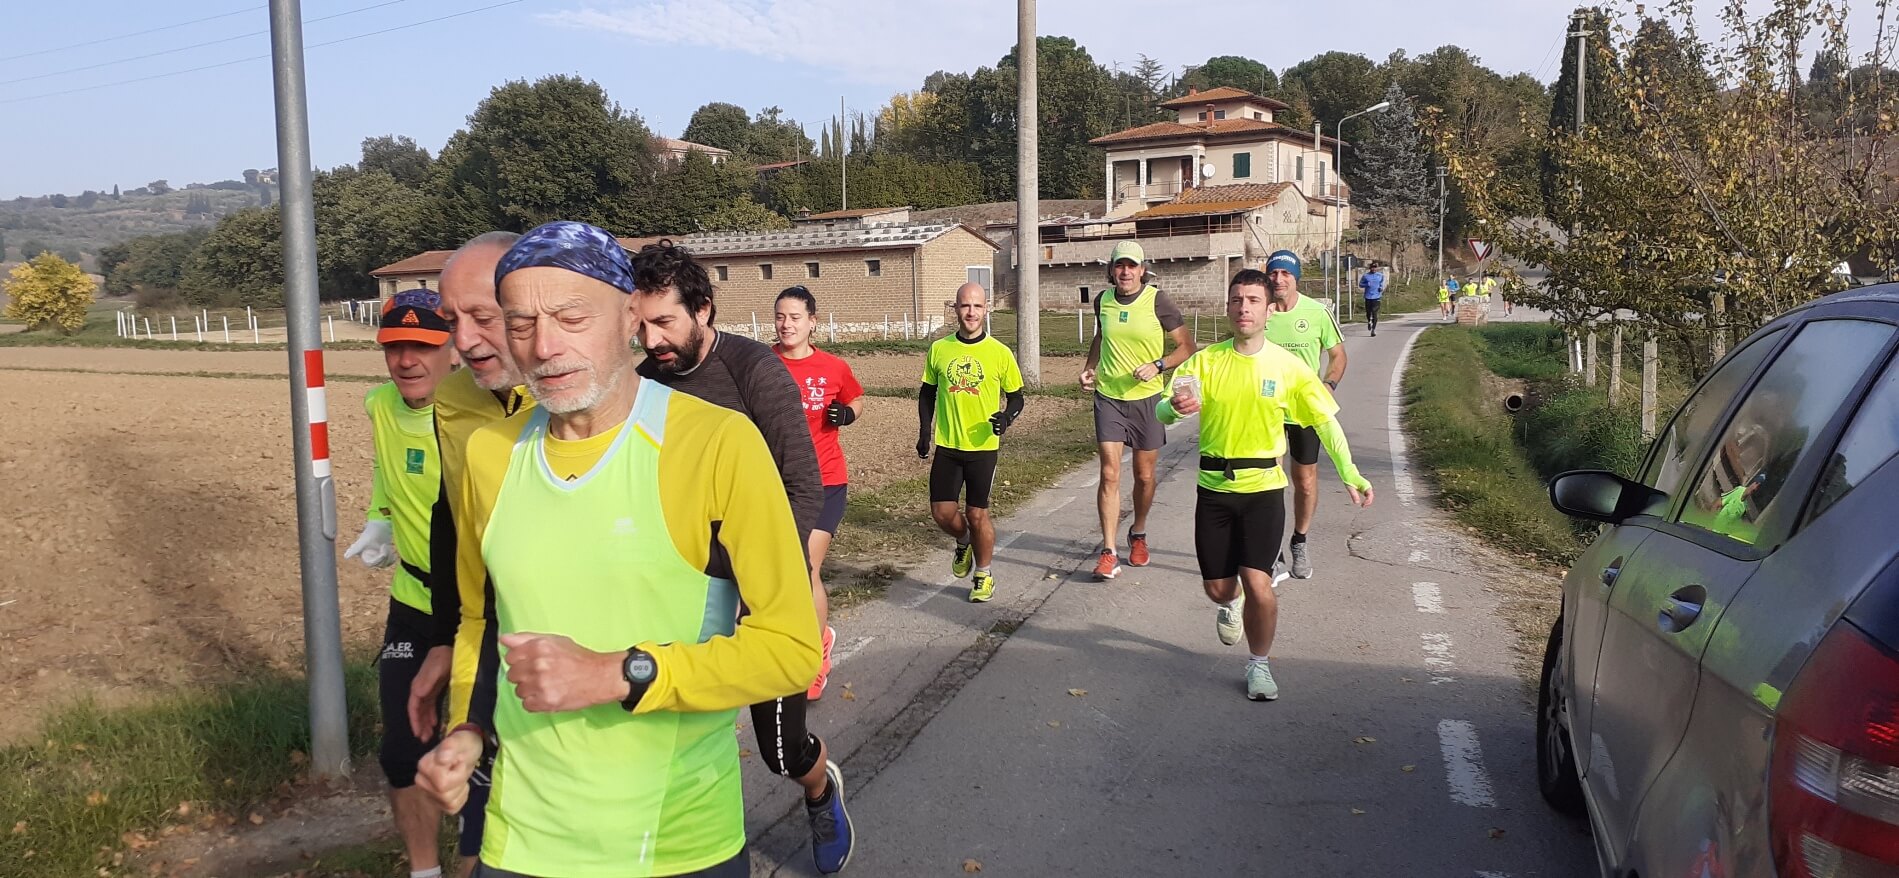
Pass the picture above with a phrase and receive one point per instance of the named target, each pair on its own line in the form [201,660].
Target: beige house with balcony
[1219,137]
[674,150]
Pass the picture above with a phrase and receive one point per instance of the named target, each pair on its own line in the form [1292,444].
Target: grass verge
[887,529]
[96,777]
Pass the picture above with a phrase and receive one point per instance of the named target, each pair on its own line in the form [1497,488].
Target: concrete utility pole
[1582,78]
[844,156]
[1338,205]
[309,415]
[1440,224]
[1028,205]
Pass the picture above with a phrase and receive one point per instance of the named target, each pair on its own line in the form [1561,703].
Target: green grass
[888,528]
[94,774]
[1466,445]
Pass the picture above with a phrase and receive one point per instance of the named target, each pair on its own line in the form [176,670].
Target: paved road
[1402,744]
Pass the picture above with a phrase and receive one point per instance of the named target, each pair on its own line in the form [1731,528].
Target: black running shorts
[952,470]
[1302,444]
[832,513]
[405,642]
[786,745]
[1231,531]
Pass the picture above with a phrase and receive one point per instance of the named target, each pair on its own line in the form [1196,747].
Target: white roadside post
[227,329]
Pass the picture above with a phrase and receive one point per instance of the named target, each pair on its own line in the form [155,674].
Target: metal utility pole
[1028,207]
[1582,78]
[1338,208]
[1440,224]
[844,155]
[309,410]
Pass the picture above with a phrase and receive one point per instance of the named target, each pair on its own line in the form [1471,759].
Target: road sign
[1481,249]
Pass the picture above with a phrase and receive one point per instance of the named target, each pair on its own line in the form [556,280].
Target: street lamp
[1338,221]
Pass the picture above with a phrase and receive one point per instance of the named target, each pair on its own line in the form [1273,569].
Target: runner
[1444,299]
[685,352]
[975,373]
[406,479]
[614,532]
[832,398]
[1373,284]
[1486,285]
[1244,390]
[1302,326]
[484,392]
[1124,369]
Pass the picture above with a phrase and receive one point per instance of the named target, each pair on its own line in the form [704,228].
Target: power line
[172,73]
[257,33]
[38,52]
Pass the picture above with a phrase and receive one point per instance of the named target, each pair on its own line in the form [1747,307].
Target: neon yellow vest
[1131,335]
[409,479]
[602,792]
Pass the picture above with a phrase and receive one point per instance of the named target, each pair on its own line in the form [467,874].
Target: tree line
[560,147]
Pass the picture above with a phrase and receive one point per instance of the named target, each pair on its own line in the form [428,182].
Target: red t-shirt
[823,378]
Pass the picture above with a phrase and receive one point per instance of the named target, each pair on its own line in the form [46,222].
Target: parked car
[1720,696]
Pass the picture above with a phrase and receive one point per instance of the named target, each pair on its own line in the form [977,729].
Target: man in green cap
[1303,326]
[1125,367]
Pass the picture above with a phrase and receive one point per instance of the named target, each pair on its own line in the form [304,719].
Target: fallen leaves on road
[1407,769]
[1054,724]
[1364,740]
[256,819]
[745,752]
[847,694]
[1496,833]
[972,866]
[1077,692]
[1357,813]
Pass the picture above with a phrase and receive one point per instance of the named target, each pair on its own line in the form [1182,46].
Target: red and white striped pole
[318,400]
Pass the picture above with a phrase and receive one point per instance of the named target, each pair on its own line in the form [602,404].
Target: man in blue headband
[1303,326]
[612,534]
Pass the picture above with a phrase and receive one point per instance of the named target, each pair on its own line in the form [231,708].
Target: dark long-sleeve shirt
[747,377]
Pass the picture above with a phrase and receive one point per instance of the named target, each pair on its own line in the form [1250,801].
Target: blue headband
[577,247]
[1285,259]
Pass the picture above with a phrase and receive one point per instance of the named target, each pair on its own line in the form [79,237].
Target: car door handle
[1681,609]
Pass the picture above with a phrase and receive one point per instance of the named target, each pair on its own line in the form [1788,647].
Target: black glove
[838,414]
[923,447]
[999,422]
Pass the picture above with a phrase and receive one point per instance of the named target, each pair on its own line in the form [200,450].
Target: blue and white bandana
[577,247]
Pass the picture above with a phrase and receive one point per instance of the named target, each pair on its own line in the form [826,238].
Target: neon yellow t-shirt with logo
[1246,400]
[970,378]
[1131,336]
[1306,331]
[406,479]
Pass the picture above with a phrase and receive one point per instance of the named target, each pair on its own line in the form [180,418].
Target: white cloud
[883,43]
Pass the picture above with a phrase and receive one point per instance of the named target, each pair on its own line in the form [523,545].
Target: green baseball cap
[1127,250]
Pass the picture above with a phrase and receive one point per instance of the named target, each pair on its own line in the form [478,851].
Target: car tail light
[1834,786]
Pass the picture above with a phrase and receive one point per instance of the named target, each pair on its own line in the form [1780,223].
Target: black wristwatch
[1161,364]
[1332,384]
[639,669]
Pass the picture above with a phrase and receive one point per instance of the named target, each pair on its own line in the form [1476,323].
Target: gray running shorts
[1131,422]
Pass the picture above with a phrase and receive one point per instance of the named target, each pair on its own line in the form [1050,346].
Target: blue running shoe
[831,839]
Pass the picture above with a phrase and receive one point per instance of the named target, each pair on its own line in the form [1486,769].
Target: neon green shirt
[970,378]
[406,478]
[1132,335]
[1246,402]
[1306,331]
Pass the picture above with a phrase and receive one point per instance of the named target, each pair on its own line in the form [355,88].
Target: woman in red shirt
[832,398]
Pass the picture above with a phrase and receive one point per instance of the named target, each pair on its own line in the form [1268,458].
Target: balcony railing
[1155,189]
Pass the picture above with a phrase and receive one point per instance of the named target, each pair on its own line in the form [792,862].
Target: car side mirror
[1600,495]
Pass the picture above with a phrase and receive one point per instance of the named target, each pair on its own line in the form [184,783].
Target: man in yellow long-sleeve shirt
[614,533]
[1248,391]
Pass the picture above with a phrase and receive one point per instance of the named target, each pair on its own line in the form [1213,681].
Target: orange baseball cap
[413,315]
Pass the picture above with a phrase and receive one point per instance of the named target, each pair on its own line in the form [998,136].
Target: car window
[1674,451]
[1870,441]
[1774,426]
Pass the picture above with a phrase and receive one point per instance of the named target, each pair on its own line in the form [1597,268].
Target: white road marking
[1418,556]
[1493,875]
[1438,657]
[1062,505]
[1427,596]
[1401,482]
[1464,764]
[839,654]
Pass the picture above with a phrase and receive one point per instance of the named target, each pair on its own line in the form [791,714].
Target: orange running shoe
[1107,566]
[824,670]
[1137,550]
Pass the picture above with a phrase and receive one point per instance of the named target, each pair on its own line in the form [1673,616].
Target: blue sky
[662,58]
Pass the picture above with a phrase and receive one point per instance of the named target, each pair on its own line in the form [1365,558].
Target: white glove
[377,546]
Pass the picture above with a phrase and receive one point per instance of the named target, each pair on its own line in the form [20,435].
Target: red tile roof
[1220,95]
[1224,128]
[1261,192]
[428,262]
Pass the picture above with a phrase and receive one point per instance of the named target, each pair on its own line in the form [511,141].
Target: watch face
[640,668]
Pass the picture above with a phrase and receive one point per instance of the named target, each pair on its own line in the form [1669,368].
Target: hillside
[25,220]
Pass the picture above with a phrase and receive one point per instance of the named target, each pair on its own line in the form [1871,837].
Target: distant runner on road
[1373,285]
[832,399]
[971,393]
[1124,369]
[406,479]
[614,531]
[1303,326]
[1444,299]
[685,352]
[1248,394]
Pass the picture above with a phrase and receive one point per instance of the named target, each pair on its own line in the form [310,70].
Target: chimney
[1193,90]
[1209,115]
[1317,133]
